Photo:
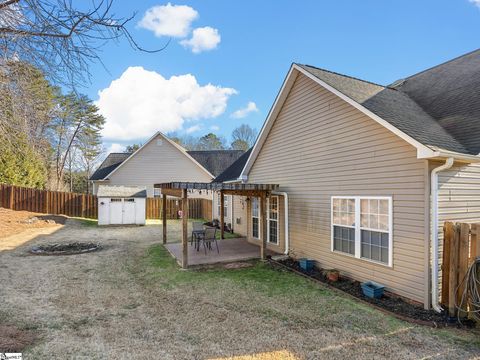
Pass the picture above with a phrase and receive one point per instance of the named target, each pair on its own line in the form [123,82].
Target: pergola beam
[164,217]
[185,229]
[263,216]
[222,215]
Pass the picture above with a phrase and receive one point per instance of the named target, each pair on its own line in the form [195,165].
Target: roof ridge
[344,75]
[435,66]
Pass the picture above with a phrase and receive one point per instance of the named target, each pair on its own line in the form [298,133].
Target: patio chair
[196,231]
[207,238]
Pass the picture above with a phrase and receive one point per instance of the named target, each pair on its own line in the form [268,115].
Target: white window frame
[276,220]
[157,192]
[225,205]
[358,228]
[259,217]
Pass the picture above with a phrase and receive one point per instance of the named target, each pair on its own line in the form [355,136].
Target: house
[365,171]
[161,159]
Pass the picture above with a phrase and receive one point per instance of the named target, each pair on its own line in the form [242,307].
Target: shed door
[129,211]
[116,211]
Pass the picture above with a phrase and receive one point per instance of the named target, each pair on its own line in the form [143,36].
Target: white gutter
[285,199]
[434,233]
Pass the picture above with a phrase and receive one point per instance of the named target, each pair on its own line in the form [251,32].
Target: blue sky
[247,49]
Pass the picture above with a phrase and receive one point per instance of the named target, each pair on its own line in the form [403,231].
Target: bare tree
[243,137]
[60,38]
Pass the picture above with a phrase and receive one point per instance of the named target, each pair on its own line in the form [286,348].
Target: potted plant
[333,275]
[306,264]
[372,289]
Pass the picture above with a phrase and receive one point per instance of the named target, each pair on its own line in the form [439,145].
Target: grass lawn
[131,300]
[291,307]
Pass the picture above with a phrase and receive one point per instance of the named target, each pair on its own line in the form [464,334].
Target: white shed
[121,205]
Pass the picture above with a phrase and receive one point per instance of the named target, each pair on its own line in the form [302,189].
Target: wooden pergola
[180,190]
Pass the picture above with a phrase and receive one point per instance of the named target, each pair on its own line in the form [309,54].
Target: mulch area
[13,339]
[394,305]
[13,222]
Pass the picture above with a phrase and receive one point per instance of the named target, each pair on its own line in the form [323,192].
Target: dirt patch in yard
[13,222]
[13,339]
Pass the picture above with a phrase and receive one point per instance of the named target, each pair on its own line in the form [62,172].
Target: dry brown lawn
[130,300]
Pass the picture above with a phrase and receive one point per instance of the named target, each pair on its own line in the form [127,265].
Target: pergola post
[222,215]
[263,216]
[164,217]
[185,229]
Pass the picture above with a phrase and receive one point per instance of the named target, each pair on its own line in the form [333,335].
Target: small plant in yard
[332,275]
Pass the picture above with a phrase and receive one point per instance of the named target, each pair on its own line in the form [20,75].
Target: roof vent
[159,142]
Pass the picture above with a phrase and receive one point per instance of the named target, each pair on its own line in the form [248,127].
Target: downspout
[434,233]
[285,200]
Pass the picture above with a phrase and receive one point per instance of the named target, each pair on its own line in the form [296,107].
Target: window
[157,192]
[256,218]
[362,227]
[272,235]
[225,205]
[115,200]
[129,200]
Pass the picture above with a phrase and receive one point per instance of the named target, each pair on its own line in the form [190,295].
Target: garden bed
[389,303]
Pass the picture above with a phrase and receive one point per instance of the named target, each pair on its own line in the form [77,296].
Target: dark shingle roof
[449,92]
[215,161]
[108,165]
[394,106]
[234,171]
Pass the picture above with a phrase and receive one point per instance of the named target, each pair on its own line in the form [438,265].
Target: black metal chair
[207,238]
[197,230]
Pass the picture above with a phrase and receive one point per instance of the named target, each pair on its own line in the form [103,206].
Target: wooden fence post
[447,243]
[453,271]
[12,195]
[463,255]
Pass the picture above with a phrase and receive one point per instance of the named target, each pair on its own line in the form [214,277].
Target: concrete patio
[237,249]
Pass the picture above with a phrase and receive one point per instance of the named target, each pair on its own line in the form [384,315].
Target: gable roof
[131,155]
[215,161]
[392,105]
[408,108]
[111,162]
[233,172]
[449,92]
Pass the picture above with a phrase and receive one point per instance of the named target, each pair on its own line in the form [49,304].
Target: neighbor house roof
[108,165]
[212,161]
[121,191]
[215,161]
[233,172]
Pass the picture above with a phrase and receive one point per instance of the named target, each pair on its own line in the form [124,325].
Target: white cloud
[214,127]
[203,39]
[193,129]
[141,102]
[114,147]
[475,2]
[169,20]
[243,112]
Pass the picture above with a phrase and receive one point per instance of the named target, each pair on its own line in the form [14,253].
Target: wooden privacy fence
[48,202]
[197,208]
[461,246]
[86,205]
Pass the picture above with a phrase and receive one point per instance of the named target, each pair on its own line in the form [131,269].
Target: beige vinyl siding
[240,212]
[459,193]
[157,164]
[319,147]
